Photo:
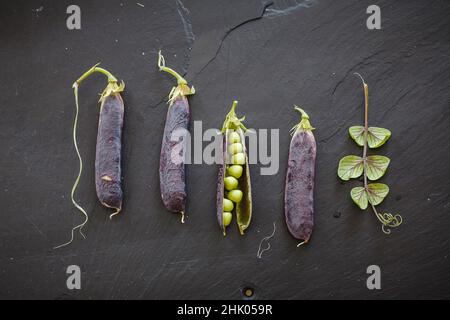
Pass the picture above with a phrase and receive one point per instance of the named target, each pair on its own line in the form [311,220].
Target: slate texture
[269,56]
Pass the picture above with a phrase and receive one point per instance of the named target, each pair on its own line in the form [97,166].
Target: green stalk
[182,89]
[95,68]
[232,121]
[386,219]
[304,123]
[162,67]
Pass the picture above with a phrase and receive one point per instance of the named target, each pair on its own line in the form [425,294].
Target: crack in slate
[395,104]
[361,63]
[183,12]
[326,139]
[274,13]
[229,31]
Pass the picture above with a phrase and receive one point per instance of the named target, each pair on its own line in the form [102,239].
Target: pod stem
[302,243]
[94,69]
[162,67]
[112,87]
[304,123]
[182,89]
[232,121]
[115,213]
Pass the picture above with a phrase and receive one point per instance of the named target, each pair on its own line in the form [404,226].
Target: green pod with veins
[234,167]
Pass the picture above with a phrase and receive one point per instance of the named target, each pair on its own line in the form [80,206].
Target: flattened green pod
[243,208]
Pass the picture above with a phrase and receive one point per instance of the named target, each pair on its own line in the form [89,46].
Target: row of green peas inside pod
[233,173]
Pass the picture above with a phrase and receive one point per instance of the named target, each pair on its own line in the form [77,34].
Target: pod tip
[360,76]
[115,213]
[302,243]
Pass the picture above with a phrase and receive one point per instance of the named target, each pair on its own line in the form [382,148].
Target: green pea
[231,183]
[226,217]
[234,137]
[235,148]
[238,158]
[235,171]
[235,195]
[227,205]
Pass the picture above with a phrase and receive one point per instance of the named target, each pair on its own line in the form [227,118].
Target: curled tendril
[389,220]
[265,239]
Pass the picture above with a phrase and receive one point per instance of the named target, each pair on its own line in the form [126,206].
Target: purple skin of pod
[108,152]
[299,190]
[172,173]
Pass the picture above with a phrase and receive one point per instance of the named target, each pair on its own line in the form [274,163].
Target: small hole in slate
[337,214]
[248,292]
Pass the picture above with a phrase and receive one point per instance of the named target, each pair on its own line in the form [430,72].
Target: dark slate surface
[305,53]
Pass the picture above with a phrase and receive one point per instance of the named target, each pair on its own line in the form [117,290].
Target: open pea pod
[239,197]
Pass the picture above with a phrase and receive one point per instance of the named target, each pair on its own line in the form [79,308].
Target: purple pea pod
[171,167]
[108,148]
[299,191]
[108,152]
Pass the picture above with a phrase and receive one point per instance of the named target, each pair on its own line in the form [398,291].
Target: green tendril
[80,170]
[388,220]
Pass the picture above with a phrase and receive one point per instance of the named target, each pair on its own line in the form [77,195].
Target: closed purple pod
[172,172]
[300,176]
[108,152]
